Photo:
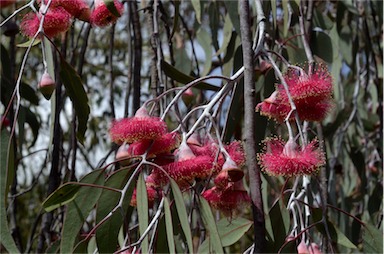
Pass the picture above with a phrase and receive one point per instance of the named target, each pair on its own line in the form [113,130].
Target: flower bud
[47,85]
[188,96]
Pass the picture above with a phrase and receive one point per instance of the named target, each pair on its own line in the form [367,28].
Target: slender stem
[250,129]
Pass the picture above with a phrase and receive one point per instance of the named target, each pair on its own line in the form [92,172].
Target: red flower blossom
[188,166]
[311,94]
[56,21]
[273,107]
[152,194]
[164,144]
[137,128]
[229,200]
[101,16]
[236,152]
[287,159]
[77,8]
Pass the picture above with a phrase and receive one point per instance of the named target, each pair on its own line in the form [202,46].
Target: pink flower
[273,107]
[77,8]
[57,20]
[313,248]
[137,128]
[188,166]
[311,94]
[229,200]
[288,159]
[164,144]
[101,16]
[152,194]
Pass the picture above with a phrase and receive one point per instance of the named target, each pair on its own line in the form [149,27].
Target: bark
[250,130]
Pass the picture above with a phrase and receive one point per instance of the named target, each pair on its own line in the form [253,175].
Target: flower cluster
[57,19]
[311,94]
[187,161]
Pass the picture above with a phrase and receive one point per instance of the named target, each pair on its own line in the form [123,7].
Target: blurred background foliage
[117,66]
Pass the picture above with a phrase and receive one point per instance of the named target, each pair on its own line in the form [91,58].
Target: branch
[250,128]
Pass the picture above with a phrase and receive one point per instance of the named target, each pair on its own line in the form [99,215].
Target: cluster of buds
[58,16]
[186,161]
[311,94]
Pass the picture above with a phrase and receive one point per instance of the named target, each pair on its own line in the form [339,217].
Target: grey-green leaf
[78,96]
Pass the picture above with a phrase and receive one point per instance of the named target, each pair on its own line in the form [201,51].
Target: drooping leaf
[322,46]
[227,34]
[142,209]
[372,239]
[205,40]
[78,96]
[106,234]
[178,76]
[63,195]
[230,231]
[169,226]
[6,166]
[233,11]
[215,244]
[79,209]
[111,7]
[278,215]
[182,213]
[28,93]
[27,43]
[197,6]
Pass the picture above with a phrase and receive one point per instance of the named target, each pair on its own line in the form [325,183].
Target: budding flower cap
[47,85]
[152,194]
[137,128]
[286,159]
[230,172]
[57,20]
[101,16]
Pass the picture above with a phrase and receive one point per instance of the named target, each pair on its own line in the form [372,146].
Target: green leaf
[106,234]
[5,171]
[63,195]
[182,61]
[182,213]
[233,11]
[286,17]
[205,40]
[27,43]
[227,34]
[142,209]
[230,231]
[79,209]
[169,226]
[197,6]
[175,18]
[178,76]
[322,46]
[111,7]
[215,244]
[78,96]
[336,235]
[279,215]
[372,239]
[233,118]
[28,93]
